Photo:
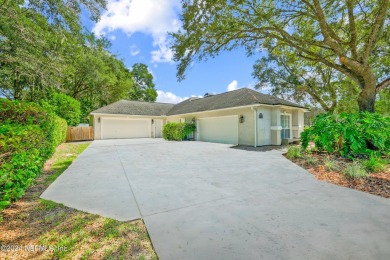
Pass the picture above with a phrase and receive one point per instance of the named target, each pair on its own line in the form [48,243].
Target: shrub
[294,152]
[310,160]
[350,135]
[64,106]
[355,170]
[28,137]
[177,131]
[374,163]
[330,165]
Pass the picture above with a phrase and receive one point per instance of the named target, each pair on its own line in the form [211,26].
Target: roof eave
[126,115]
[237,107]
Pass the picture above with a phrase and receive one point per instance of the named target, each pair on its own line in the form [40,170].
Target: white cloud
[152,17]
[163,53]
[134,51]
[112,37]
[232,85]
[169,97]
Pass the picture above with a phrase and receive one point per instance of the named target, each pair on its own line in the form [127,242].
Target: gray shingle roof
[236,98]
[139,108]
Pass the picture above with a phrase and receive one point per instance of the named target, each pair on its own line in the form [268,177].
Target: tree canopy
[45,49]
[143,83]
[350,37]
[308,83]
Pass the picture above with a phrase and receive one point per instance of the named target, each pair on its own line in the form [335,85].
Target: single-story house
[243,116]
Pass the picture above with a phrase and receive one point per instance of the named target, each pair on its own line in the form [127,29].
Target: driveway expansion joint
[129,183]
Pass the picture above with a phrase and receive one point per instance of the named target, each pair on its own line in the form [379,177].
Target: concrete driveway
[208,201]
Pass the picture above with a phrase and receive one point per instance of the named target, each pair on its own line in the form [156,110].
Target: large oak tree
[349,36]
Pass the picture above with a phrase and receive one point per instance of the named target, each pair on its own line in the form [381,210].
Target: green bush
[177,131]
[374,163]
[350,135]
[330,165]
[28,137]
[311,160]
[294,152]
[64,106]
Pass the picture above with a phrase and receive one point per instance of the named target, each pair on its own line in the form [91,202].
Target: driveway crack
[129,182]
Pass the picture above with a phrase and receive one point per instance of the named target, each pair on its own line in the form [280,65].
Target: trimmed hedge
[177,131]
[29,136]
[351,135]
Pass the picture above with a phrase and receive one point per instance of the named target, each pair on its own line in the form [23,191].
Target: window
[285,122]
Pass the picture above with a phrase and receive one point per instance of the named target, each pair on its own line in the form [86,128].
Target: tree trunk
[366,99]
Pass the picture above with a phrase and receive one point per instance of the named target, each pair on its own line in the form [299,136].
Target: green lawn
[66,233]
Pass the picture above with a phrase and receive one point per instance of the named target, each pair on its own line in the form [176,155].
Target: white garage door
[219,129]
[113,128]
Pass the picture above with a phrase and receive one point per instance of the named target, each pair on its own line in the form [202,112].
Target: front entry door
[263,126]
[158,124]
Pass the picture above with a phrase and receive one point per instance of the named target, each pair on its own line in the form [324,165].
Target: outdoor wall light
[152,121]
[98,119]
[261,115]
[193,120]
[241,119]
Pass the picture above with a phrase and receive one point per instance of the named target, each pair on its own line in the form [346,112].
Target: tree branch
[329,35]
[317,98]
[352,27]
[376,30]
[382,85]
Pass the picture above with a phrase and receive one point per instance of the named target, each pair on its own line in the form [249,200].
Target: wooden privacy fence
[79,133]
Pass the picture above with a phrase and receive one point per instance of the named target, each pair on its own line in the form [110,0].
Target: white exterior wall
[246,130]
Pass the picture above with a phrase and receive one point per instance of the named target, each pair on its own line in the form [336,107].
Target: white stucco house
[240,117]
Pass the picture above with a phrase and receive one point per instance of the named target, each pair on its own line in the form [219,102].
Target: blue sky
[138,33]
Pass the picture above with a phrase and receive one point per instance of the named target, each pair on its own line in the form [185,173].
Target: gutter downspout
[255,123]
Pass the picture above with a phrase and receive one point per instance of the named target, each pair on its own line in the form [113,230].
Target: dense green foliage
[350,37]
[382,105]
[44,49]
[177,131]
[143,83]
[352,135]
[64,106]
[29,135]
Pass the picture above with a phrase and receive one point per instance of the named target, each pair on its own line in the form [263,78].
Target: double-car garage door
[219,129]
[118,128]
[210,129]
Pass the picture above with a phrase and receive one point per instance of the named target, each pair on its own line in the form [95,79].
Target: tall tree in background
[32,38]
[289,77]
[44,50]
[351,37]
[143,83]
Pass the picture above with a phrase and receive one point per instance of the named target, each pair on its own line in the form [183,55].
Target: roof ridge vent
[209,94]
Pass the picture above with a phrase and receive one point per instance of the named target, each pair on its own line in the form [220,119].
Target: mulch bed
[376,183]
